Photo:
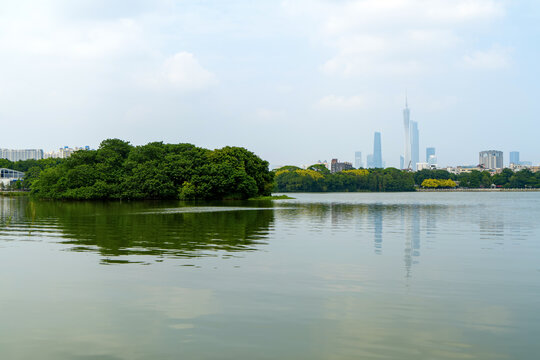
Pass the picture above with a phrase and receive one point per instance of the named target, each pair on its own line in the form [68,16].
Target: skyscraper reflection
[412,237]
[377,229]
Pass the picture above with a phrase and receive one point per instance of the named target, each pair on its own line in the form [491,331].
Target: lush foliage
[520,179]
[118,170]
[436,184]
[483,179]
[436,174]
[31,169]
[316,179]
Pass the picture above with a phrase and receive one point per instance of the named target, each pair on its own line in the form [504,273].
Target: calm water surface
[325,276]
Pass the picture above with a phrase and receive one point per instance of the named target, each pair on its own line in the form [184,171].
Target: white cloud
[492,59]
[183,72]
[336,102]
[393,37]
[89,40]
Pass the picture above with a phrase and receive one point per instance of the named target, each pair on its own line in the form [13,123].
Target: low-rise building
[336,166]
[7,176]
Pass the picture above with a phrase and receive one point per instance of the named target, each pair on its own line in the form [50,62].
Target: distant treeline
[317,178]
[483,179]
[118,170]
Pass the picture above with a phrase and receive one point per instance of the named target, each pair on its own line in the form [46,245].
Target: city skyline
[221,73]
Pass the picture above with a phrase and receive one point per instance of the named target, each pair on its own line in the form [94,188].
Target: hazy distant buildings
[422,166]
[514,157]
[415,145]
[358,160]
[411,154]
[18,155]
[38,154]
[432,161]
[336,166]
[63,152]
[491,159]
[407,133]
[429,151]
[401,162]
[369,161]
[377,151]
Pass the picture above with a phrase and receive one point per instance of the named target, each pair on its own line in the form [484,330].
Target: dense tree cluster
[520,179]
[438,184]
[118,170]
[318,179]
[484,179]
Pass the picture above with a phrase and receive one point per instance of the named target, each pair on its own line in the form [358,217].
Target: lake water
[324,276]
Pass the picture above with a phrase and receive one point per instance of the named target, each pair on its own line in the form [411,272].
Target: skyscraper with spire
[407,133]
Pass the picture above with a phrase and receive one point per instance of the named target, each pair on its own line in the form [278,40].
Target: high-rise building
[401,162]
[514,157]
[491,159]
[377,152]
[369,161]
[429,151]
[432,161]
[25,154]
[358,160]
[407,132]
[415,144]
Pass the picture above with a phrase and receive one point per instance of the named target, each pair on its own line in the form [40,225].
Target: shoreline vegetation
[273,197]
[118,170]
[317,178]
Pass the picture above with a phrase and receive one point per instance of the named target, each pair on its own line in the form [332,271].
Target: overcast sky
[294,81]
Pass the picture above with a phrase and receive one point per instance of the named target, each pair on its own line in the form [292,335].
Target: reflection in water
[316,283]
[412,239]
[117,229]
[378,227]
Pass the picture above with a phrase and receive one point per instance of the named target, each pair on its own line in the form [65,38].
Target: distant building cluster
[492,160]
[24,154]
[38,154]
[64,152]
[410,159]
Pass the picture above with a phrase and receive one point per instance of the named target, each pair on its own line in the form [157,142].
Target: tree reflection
[143,228]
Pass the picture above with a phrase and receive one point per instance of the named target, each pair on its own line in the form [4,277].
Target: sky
[294,81]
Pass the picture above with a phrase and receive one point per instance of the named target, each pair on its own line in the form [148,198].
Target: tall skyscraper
[358,160]
[491,159]
[401,162]
[407,132]
[377,152]
[514,157]
[429,151]
[415,144]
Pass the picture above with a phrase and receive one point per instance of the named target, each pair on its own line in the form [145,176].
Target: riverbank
[14,193]
[475,190]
